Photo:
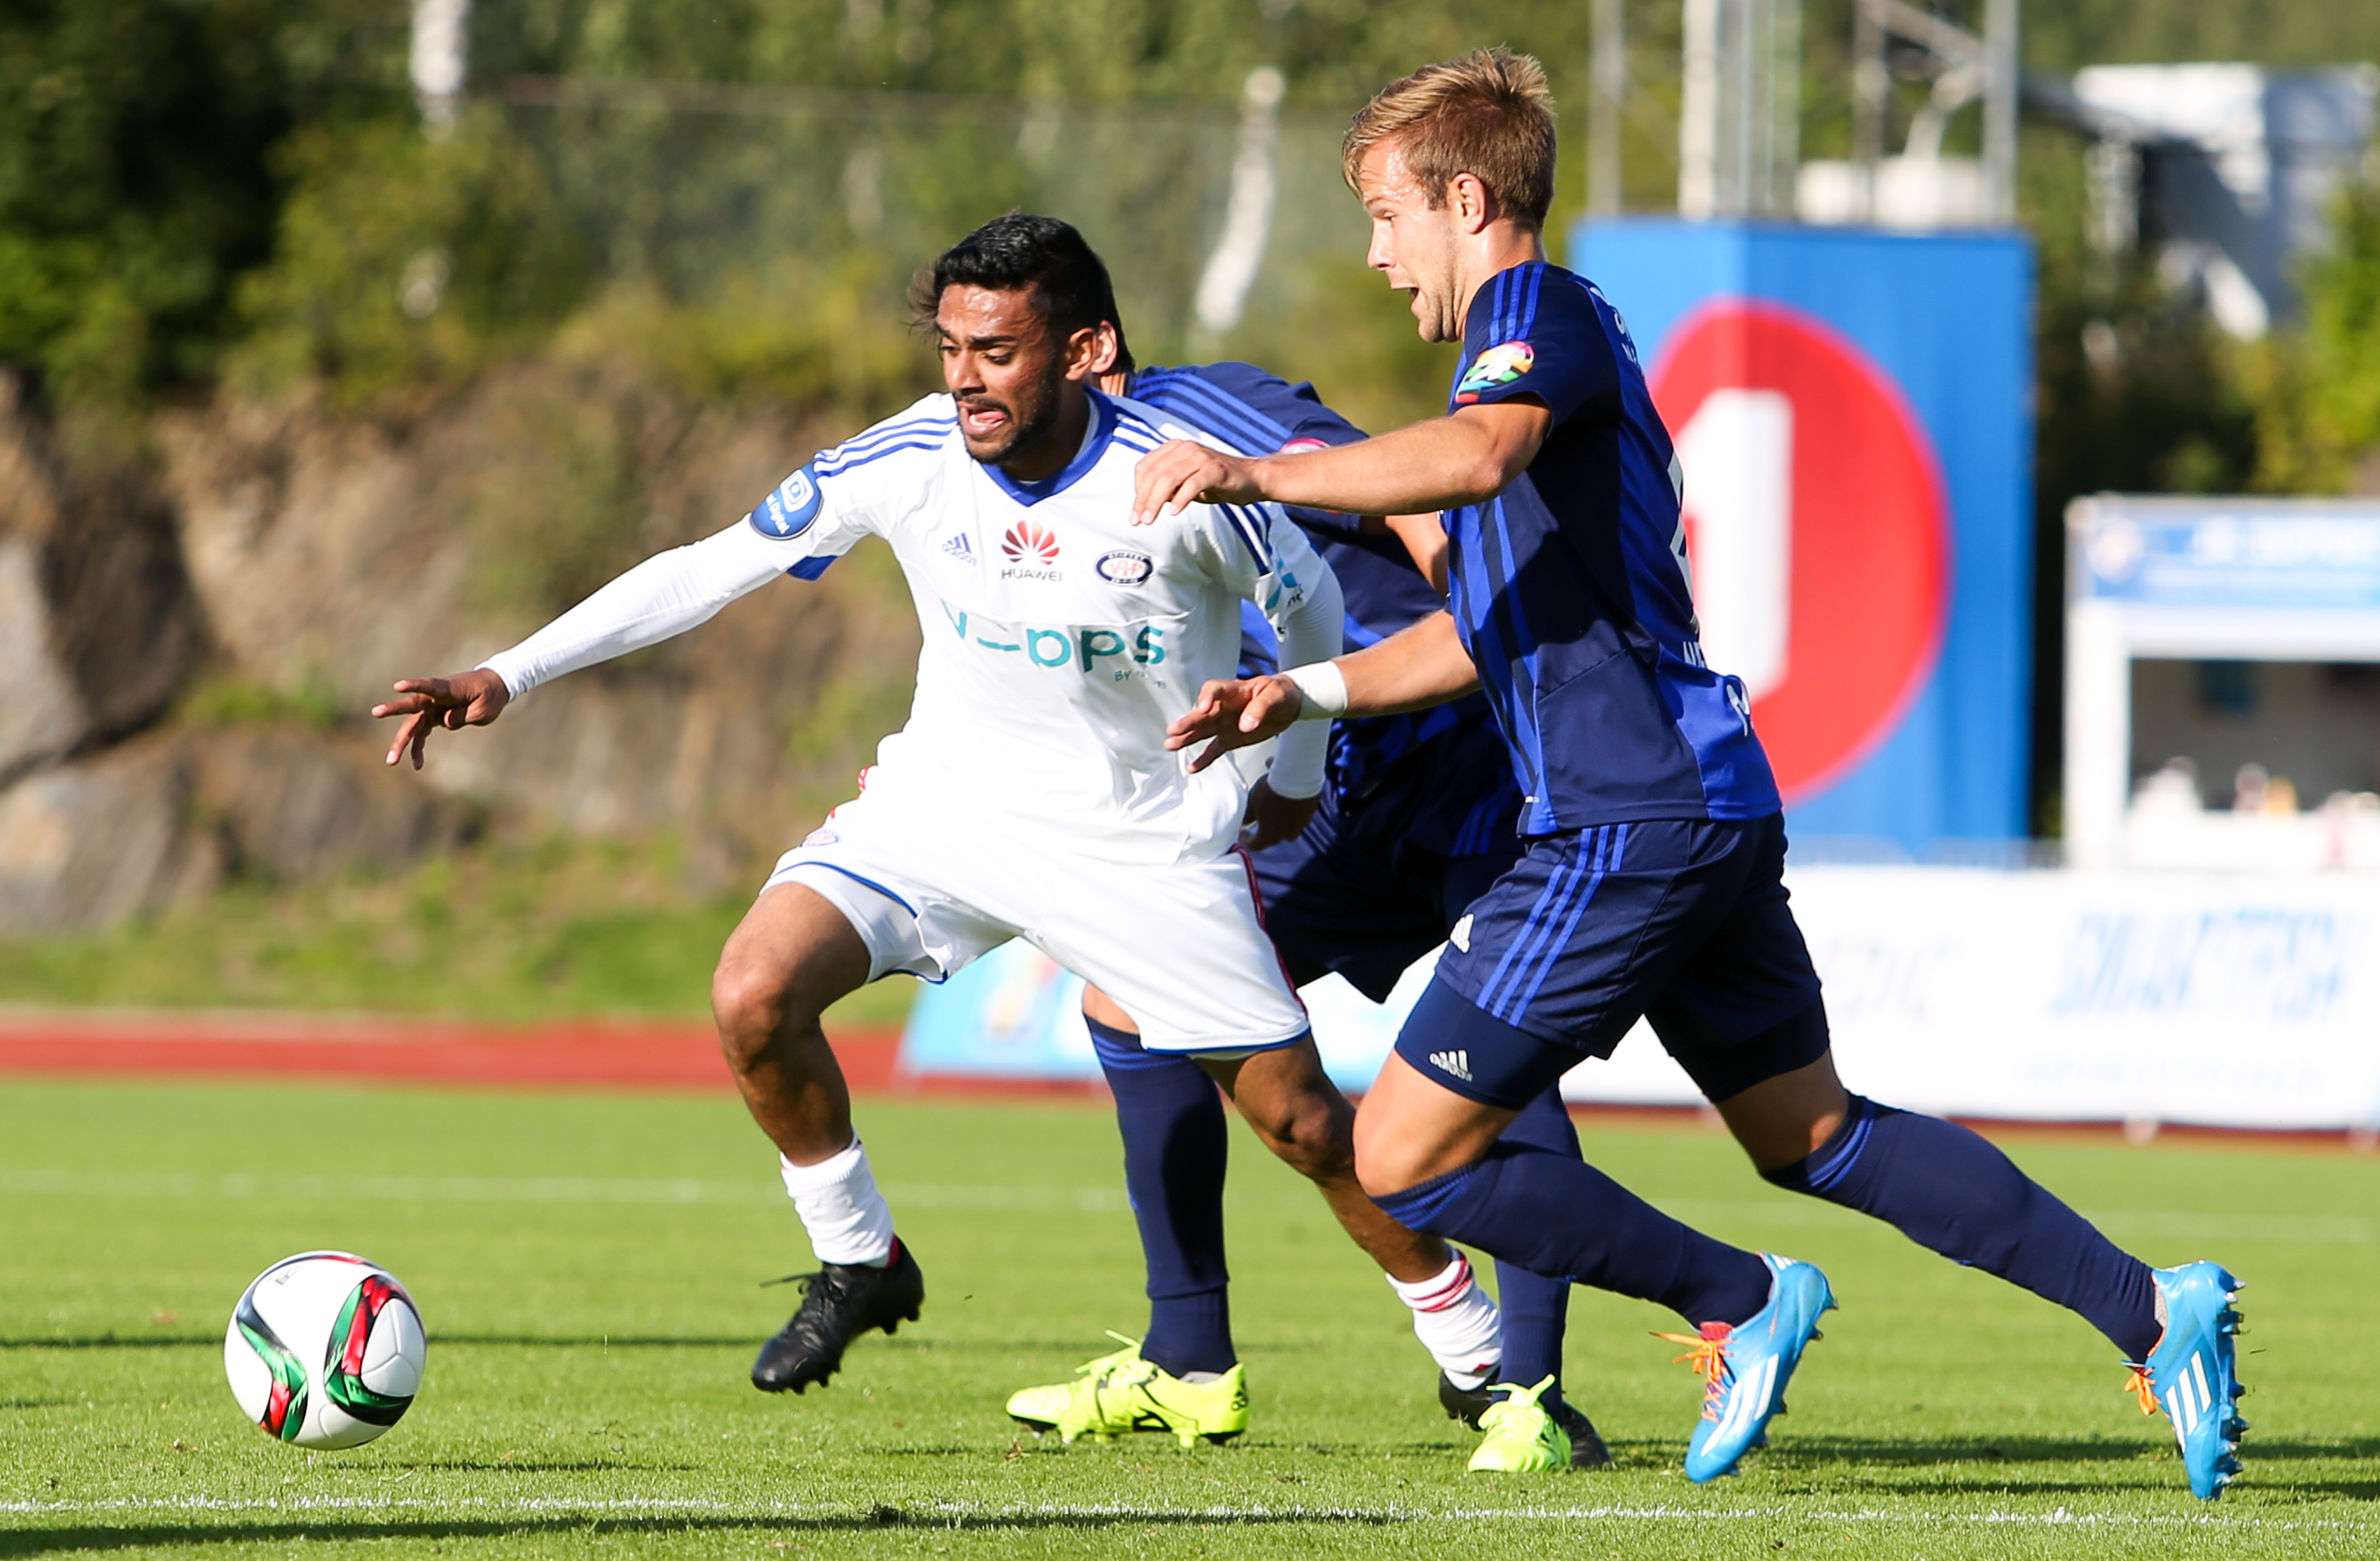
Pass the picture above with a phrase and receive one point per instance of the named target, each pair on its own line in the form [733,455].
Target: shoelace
[1707,1356]
[1516,1399]
[1106,1365]
[2142,1387]
[804,1280]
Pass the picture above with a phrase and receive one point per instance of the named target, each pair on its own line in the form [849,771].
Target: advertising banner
[2220,999]
[1852,414]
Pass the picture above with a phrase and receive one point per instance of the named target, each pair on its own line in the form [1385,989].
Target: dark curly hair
[1067,279]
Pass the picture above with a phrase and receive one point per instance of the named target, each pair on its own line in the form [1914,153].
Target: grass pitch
[588,1266]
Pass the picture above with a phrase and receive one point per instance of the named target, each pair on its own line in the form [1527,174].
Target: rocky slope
[192,639]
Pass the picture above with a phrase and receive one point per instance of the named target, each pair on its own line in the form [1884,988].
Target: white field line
[2311,1229]
[924,1514]
[530,1189]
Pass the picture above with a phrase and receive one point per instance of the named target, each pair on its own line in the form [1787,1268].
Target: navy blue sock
[1946,1188]
[1175,1139]
[1558,1215]
[1535,1306]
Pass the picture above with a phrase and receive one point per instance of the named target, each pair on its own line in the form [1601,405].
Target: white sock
[847,1220]
[1457,1322]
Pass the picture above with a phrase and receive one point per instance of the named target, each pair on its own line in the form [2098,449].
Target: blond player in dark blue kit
[1650,879]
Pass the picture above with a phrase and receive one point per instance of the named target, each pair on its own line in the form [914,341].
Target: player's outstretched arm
[1463,459]
[666,595]
[1412,669]
[472,698]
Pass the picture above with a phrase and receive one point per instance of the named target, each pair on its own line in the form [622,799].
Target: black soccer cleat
[1587,1449]
[1465,1404]
[840,1302]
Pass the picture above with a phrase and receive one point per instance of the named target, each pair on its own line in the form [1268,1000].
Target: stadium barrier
[2218,1000]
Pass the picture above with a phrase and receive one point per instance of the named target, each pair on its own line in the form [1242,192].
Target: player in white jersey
[1031,795]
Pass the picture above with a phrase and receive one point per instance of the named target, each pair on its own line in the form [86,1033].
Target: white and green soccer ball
[324,1351]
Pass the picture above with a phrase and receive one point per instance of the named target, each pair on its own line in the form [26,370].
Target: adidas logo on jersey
[960,547]
[1461,936]
[1454,1064]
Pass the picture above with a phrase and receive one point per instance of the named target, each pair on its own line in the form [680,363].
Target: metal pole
[1247,220]
[1698,114]
[441,59]
[1785,108]
[2000,21]
[1745,117]
[1606,105]
[1870,86]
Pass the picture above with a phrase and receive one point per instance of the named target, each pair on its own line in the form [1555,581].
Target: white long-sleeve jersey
[1060,638]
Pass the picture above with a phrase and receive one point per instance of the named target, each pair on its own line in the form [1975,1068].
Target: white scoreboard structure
[2178,608]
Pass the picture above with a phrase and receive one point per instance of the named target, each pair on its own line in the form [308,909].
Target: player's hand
[472,698]
[1173,477]
[1272,819]
[1235,713]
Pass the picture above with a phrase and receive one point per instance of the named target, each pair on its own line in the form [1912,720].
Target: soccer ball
[326,1350]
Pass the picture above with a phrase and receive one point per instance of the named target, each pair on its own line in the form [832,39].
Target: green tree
[135,182]
[2318,391]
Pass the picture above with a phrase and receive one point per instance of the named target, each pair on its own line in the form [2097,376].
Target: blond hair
[1489,115]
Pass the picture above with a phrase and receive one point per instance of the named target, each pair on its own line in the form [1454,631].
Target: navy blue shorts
[1683,923]
[1354,895]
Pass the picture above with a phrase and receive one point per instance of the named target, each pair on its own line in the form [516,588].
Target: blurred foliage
[136,169]
[154,152]
[2073,33]
[221,698]
[2318,401]
[405,262]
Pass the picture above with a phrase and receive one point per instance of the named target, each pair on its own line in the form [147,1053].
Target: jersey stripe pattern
[1569,586]
[1258,413]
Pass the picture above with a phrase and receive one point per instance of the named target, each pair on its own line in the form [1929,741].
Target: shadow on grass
[1067,1347]
[502,1341]
[109,1341]
[45,1541]
[553,1466]
[1917,1453]
[2154,1480]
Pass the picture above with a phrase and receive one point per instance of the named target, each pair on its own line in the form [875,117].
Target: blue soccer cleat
[1745,1368]
[2191,1373]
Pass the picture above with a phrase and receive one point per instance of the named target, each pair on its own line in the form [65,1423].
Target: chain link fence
[1217,223]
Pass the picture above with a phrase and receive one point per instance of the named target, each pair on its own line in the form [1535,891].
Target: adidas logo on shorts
[1461,936]
[1456,1064]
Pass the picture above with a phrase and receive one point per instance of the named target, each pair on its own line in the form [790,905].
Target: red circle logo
[1816,530]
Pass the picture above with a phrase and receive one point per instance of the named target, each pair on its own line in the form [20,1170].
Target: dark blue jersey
[1263,414]
[1570,587]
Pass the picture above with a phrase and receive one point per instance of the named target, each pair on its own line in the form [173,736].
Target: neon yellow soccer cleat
[1522,1438]
[1122,1392]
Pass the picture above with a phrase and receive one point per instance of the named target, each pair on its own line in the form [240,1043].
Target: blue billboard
[1852,412]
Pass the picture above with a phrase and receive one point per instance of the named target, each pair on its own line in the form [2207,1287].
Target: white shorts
[1180,947]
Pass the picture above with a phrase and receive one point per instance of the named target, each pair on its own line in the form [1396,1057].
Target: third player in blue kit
[1415,818]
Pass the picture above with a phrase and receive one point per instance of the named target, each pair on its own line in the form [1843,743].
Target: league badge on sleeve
[788,512]
[1497,366]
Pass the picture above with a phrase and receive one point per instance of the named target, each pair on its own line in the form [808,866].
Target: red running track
[595,1054]
[635,1056]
